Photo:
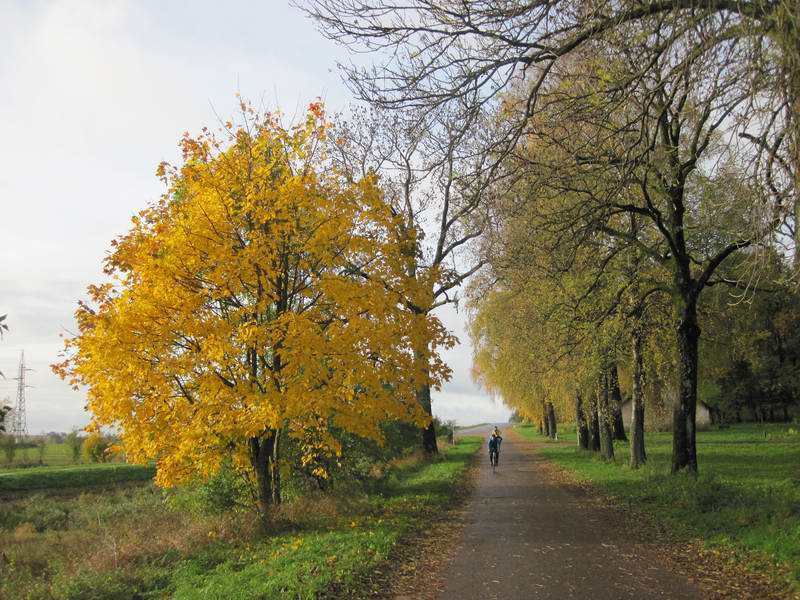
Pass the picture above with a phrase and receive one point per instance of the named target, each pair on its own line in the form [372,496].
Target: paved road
[528,537]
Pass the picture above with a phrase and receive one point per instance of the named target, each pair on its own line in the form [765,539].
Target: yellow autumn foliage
[264,292]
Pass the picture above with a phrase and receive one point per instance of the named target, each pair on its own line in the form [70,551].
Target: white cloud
[460,398]
[93,95]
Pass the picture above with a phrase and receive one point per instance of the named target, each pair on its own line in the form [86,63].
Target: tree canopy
[264,293]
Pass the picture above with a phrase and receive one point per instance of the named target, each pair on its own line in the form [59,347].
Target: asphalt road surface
[526,536]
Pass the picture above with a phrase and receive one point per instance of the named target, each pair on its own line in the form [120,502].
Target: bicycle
[494,458]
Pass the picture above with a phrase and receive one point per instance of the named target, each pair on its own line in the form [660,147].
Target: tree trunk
[581,427]
[429,445]
[684,439]
[421,356]
[638,454]
[594,425]
[791,55]
[604,417]
[551,417]
[264,460]
[616,404]
[546,420]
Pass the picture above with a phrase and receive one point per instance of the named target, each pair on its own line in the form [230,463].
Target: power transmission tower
[19,424]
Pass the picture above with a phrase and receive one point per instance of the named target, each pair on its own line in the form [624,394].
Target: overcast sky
[93,95]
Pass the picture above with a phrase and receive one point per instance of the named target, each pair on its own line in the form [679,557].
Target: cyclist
[494,446]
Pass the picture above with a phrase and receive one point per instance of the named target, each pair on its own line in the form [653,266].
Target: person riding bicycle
[494,445]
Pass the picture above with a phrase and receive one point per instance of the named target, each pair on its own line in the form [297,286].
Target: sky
[93,95]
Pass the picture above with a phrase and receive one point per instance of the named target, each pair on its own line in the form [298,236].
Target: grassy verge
[142,544]
[332,556]
[746,499]
[45,478]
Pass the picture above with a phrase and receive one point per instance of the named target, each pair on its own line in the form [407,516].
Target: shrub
[9,445]
[96,448]
[75,443]
[98,586]
[360,465]
[45,514]
[444,429]
[41,446]
[223,492]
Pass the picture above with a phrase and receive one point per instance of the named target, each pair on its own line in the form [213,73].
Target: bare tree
[690,77]
[436,175]
[468,55]
[4,410]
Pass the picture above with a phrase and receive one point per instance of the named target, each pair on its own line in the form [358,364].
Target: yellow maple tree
[264,295]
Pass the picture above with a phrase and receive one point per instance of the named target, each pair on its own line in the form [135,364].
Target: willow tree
[263,295]
[513,354]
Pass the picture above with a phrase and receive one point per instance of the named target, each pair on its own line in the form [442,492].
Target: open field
[746,499]
[58,472]
[54,455]
[148,543]
[460,427]
[48,478]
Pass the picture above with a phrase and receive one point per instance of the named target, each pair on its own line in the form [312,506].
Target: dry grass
[124,543]
[102,533]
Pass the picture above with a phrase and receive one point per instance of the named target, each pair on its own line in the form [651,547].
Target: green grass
[335,557]
[747,496]
[140,543]
[54,454]
[45,478]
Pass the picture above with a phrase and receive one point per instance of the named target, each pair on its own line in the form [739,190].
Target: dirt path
[528,537]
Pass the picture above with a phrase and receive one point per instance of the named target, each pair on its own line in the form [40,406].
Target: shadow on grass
[746,496]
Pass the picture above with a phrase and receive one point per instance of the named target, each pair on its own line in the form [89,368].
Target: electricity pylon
[19,423]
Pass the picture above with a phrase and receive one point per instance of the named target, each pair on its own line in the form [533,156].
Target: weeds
[148,543]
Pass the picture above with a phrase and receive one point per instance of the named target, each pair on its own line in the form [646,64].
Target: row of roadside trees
[643,152]
[94,448]
[598,170]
